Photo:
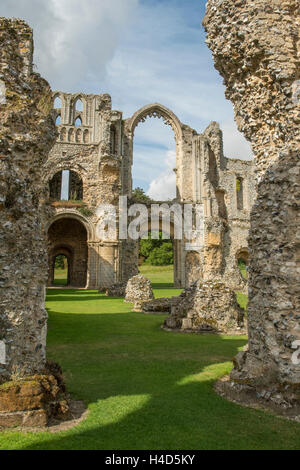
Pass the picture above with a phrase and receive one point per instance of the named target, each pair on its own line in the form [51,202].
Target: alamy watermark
[177,221]
[2,92]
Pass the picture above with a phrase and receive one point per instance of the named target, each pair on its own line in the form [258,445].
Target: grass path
[146,388]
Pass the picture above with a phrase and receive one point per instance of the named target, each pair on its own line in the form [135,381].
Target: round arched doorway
[68,237]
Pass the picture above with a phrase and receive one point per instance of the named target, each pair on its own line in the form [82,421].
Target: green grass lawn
[60,277]
[146,388]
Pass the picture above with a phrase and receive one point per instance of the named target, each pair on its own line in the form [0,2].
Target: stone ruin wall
[255,46]
[27,133]
[100,151]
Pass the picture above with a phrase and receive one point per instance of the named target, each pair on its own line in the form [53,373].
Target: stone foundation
[207,307]
[34,401]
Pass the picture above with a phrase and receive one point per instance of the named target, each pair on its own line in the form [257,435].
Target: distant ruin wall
[256,48]
[26,135]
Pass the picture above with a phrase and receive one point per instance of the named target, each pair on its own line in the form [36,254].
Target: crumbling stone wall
[207,307]
[100,152]
[27,133]
[256,48]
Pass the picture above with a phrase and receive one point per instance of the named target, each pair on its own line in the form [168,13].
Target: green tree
[139,195]
[157,252]
[59,262]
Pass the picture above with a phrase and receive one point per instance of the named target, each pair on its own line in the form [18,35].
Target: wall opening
[79,105]
[78,122]
[66,185]
[68,237]
[57,103]
[240,193]
[61,271]
[242,258]
[154,160]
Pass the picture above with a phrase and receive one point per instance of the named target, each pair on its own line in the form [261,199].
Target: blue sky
[138,51]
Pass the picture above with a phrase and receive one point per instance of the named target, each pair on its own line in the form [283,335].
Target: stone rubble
[207,307]
[138,290]
[160,305]
[116,290]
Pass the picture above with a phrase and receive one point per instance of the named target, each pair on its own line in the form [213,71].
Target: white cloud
[74,39]
[163,187]
[139,51]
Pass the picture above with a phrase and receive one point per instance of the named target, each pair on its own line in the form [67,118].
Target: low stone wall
[161,305]
[116,290]
[207,307]
[34,401]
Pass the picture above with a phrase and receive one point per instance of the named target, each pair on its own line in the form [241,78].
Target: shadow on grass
[149,389]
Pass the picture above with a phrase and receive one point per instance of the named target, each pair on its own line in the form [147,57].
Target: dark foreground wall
[256,48]
[26,135]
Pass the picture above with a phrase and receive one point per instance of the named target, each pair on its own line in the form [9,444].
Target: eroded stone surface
[138,290]
[116,290]
[33,401]
[27,133]
[207,307]
[256,47]
[160,305]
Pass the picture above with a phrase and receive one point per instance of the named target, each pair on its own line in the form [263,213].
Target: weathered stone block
[207,306]
[138,290]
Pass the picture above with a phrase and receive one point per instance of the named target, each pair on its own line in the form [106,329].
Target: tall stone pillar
[256,48]
[26,135]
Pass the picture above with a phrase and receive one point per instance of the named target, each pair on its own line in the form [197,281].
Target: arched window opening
[78,122]
[68,237]
[58,120]
[66,185]
[154,160]
[55,186]
[113,140]
[79,105]
[75,187]
[61,271]
[240,193]
[57,103]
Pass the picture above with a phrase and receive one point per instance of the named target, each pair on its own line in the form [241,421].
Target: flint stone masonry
[160,305]
[27,133]
[207,307]
[32,402]
[116,290]
[138,290]
[256,46]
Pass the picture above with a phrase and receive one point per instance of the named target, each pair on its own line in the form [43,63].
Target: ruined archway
[68,236]
[159,111]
